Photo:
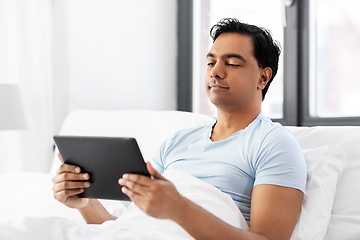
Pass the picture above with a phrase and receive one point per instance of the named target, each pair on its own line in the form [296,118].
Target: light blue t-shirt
[262,153]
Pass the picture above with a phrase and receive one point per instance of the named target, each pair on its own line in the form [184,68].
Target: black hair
[266,50]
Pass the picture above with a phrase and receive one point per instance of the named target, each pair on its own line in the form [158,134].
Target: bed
[331,207]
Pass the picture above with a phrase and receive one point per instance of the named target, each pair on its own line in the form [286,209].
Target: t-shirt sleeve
[158,160]
[280,161]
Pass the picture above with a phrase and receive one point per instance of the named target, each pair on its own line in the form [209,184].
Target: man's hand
[67,183]
[157,197]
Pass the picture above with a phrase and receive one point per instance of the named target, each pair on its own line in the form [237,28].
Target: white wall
[25,48]
[114,55]
[82,54]
[121,54]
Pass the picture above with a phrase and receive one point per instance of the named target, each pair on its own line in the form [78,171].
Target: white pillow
[150,128]
[324,165]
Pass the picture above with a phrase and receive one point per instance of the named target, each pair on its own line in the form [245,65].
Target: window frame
[185,51]
[296,110]
[304,72]
[290,52]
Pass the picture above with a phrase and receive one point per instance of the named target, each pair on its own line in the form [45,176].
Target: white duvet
[28,211]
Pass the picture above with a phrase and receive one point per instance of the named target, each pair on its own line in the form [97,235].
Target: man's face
[233,76]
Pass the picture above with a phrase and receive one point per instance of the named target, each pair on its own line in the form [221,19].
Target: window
[316,84]
[329,53]
[334,57]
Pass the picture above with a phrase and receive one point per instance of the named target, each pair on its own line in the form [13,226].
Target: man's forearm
[201,224]
[95,213]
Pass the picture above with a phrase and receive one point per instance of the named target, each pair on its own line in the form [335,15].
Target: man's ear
[265,76]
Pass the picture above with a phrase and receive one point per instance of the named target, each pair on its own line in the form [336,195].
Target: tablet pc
[106,159]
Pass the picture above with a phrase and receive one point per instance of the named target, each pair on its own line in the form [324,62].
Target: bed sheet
[28,211]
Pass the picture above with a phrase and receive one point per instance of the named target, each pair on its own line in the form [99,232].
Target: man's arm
[95,213]
[274,213]
[274,209]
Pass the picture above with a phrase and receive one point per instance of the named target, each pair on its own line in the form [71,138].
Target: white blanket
[28,211]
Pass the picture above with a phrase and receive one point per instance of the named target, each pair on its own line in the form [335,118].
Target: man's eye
[233,65]
[210,64]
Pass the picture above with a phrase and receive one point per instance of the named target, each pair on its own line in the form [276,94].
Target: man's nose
[217,71]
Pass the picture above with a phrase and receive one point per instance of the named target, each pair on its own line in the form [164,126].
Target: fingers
[68,176]
[62,196]
[131,194]
[137,178]
[68,168]
[68,172]
[138,193]
[144,180]
[139,184]
[154,196]
[132,186]
[153,172]
[70,185]
[68,181]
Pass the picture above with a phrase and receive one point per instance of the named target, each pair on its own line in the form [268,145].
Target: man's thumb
[153,172]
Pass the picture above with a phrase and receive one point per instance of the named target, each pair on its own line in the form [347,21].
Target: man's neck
[229,123]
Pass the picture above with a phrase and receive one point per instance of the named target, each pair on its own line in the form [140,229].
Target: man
[257,162]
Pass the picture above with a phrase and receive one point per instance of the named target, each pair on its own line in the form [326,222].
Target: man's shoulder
[265,127]
[273,133]
[190,132]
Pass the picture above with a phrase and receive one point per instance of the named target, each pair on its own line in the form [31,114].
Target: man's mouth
[217,86]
